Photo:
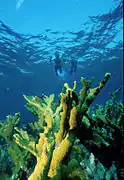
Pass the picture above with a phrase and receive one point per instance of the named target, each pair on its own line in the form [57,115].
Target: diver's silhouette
[58,64]
[73,66]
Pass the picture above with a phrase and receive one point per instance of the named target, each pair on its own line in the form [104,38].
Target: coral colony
[69,140]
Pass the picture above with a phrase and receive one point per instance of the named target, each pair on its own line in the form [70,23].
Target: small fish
[42,96]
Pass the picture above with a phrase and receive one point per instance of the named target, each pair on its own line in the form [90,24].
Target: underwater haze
[31,32]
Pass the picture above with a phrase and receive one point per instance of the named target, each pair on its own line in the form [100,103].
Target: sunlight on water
[18,4]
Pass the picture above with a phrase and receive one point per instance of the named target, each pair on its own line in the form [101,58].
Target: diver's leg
[75,68]
[56,70]
[60,70]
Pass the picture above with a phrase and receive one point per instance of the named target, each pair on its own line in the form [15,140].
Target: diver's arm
[50,59]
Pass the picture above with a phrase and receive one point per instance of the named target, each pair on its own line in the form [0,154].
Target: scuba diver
[58,64]
[73,65]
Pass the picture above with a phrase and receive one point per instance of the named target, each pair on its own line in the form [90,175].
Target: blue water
[26,47]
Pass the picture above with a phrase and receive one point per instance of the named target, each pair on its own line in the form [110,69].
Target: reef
[69,140]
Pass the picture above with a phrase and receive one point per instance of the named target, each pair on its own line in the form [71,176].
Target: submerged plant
[58,139]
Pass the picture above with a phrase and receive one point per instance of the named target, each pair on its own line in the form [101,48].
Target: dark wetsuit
[58,65]
[73,66]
